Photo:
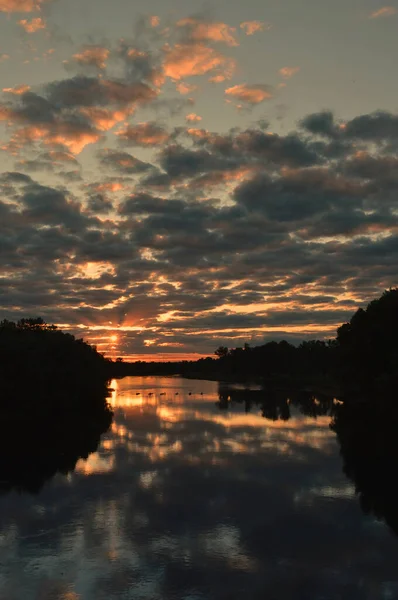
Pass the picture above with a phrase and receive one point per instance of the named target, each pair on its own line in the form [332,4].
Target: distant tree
[221,352]
[34,354]
[368,351]
[35,323]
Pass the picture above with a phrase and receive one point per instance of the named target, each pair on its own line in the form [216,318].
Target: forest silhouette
[53,403]
[363,356]
[54,408]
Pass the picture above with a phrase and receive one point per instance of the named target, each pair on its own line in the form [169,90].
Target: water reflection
[368,441]
[184,500]
[37,444]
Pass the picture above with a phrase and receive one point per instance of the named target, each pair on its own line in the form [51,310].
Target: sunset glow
[174,182]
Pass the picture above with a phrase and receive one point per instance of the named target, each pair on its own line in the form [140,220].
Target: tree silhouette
[368,352]
[53,404]
[367,435]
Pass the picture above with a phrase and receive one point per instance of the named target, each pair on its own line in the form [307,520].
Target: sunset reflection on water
[183,499]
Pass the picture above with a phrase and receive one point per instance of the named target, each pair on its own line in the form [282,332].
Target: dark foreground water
[189,498]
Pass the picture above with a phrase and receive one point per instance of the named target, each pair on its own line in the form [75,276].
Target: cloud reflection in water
[185,500]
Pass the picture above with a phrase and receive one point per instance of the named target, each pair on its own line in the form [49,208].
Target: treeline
[363,356]
[280,360]
[35,356]
[53,402]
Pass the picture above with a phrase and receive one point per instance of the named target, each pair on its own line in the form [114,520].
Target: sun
[113,338]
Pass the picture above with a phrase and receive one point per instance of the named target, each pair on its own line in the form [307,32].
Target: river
[189,498]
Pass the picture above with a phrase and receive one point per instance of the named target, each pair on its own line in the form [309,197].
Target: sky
[177,175]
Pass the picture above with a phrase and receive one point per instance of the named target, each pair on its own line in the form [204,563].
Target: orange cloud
[386,11]
[142,62]
[74,141]
[120,100]
[251,94]
[251,27]
[288,72]
[60,135]
[18,90]
[188,60]
[33,25]
[125,93]
[103,118]
[4,57]
[221,178]
[217,78]
[202,134]
[5,113]
[192,118]
[185,88]
[109,186]
[154,21]
[201,31]
[92,56]
[21,6]
[144,134]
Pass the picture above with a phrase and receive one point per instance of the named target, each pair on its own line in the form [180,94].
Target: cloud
[385,11]
[252,27]
[72,112]
[99,204]
[322,123]
[17,90]
[154,21]
[143,134]
[92,56]
[250,94]
[54,161]
[122,162]
[287,72]
[380,126]
[185,88]
[220,235]
[4,57]
[33,25]
[189,60]
[179,161]
[201,31]
[21,6]
[193,118]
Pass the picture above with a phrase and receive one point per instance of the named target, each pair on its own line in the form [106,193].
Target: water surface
[192,497]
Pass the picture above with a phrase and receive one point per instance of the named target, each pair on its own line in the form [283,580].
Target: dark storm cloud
[91,91]
[223,320]
[263,148]
[375,127]
[49,206]
[15,177]
[290,150]
[301,229]
[52,161]
[122,162]
[98,203]
[151,205]
[144,134]
[322,123]
[379,126]
[179,161]
[300,195]
[383,169]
